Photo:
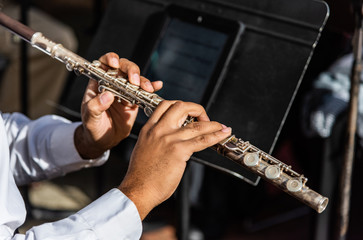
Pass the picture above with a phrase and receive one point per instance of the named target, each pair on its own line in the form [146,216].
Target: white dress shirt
[42,149]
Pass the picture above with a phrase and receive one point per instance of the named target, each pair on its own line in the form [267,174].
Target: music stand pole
[24,7]
[183,206]
[347,168]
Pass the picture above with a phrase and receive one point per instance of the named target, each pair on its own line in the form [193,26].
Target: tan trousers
[47,76]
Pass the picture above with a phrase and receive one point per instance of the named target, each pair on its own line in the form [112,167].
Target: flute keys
[294,185]
[148,111]
[251,159]
[112,72]
[121,80]
[272,172]
[96,63]
[69,66]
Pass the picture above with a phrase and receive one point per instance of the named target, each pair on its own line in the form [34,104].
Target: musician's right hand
[164,146]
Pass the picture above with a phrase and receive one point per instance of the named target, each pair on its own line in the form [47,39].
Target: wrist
[143,203]
[86,148]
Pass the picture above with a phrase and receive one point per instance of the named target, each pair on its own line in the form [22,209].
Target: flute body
[239,151]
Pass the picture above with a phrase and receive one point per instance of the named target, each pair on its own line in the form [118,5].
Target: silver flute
[239,151]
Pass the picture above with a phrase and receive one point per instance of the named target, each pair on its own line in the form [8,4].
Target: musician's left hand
[105,121]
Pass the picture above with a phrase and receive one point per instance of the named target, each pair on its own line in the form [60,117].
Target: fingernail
[136,79]
[105,98]
[226,129]
[148,85]
[114,62]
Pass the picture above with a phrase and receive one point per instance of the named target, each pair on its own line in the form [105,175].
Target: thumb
[99,104]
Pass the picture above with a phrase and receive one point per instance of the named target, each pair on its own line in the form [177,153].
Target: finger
[159,111]
[157,85]
[110,59]
[204,141]
[91,91]
[96,106]
[195,129]
[146,84]
[131,69]
[179,111]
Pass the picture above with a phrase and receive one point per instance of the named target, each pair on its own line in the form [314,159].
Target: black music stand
[264,73]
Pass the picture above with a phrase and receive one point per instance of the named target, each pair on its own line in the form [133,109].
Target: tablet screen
[185,59]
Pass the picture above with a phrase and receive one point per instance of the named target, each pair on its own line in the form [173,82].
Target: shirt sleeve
[43,148]
[112,216]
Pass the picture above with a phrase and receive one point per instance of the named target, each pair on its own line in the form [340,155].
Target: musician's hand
[162,150]
[105,121]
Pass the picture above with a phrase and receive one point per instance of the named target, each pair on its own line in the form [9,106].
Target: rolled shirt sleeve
[43,148]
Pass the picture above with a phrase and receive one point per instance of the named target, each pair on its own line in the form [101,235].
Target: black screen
[185,58]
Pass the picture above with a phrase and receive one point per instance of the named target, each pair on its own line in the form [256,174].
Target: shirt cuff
[113,216]
[63,135]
